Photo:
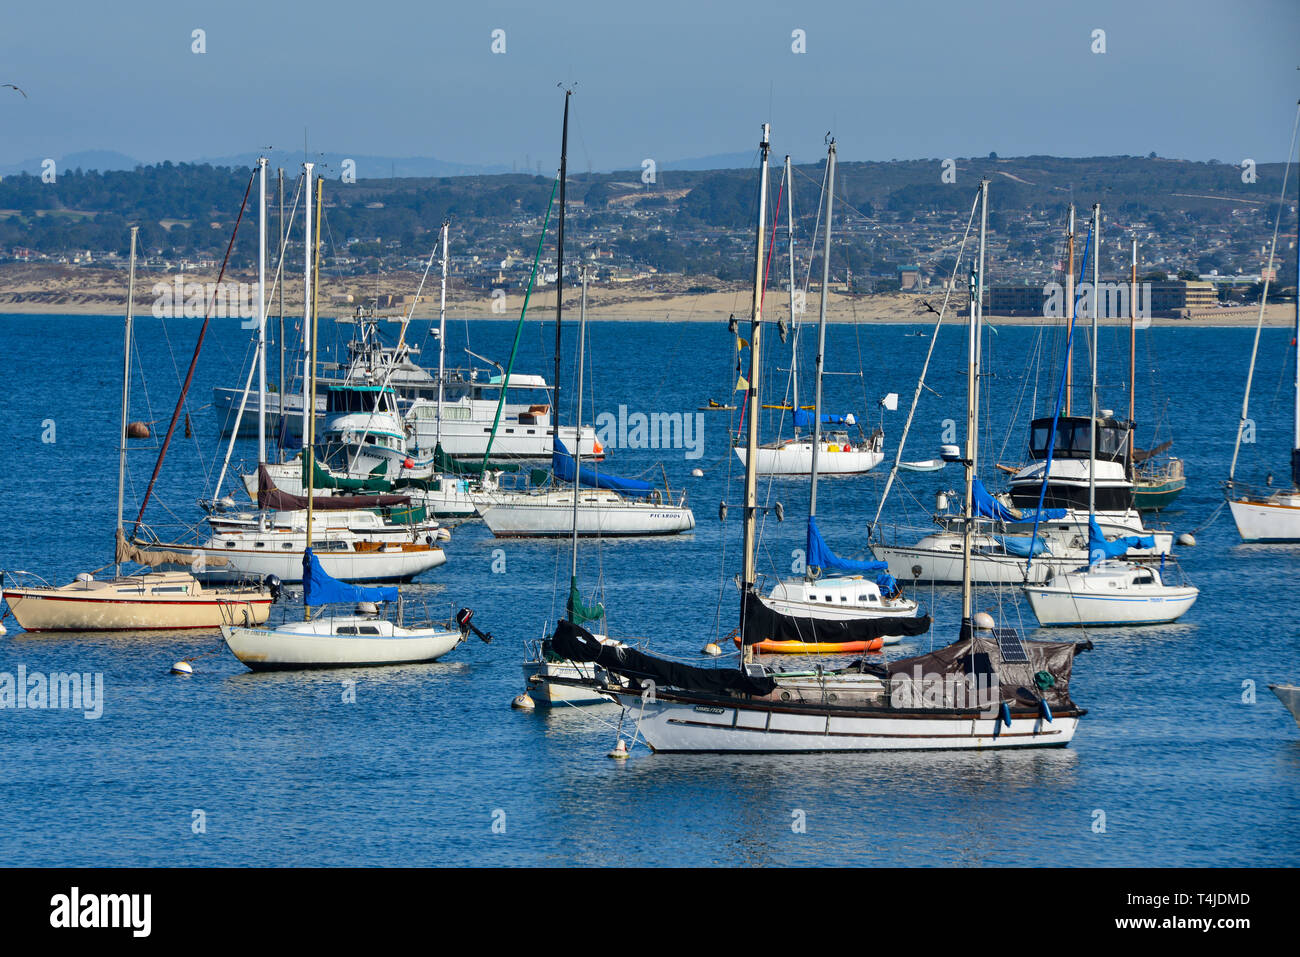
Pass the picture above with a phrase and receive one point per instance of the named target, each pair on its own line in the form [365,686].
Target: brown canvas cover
[268,496]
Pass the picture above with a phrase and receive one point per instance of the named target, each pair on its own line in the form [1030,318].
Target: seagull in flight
[12,86]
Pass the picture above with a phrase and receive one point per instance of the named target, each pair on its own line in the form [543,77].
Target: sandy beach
[43,289]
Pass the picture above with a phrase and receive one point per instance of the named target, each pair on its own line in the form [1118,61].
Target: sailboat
[149,601]
[834,608]
[828,442]
[1263,515]
[600,503]
[1108,591]
[361,639]
[988,689]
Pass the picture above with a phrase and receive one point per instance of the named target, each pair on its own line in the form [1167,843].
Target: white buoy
[712,649]
[984,621]
[620,751]
[443,535]
[697,473]
[2,629]
[1187,540]
[523,702]
[182,668]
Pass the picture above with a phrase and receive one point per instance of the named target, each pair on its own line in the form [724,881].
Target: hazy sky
[664,79]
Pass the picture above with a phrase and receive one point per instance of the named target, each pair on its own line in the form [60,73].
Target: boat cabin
[1074,442]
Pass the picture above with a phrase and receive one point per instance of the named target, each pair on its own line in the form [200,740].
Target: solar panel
[1009,645]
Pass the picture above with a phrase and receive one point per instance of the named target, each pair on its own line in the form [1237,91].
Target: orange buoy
[137,430]
[409,463]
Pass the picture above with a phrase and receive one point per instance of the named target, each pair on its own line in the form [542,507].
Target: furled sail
[318,588]
[577,644]
[819,555]
[562,466]
[761,623]
[803,419]
[156,557]
[268,496]
[579,611]
[1099,548]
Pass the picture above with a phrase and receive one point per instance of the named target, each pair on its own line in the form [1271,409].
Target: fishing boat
[986,690]
[1106,591]
[1265,514]
[833,608]
[144,601]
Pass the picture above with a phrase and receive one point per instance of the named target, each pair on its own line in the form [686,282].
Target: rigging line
[920,385]
[189,378]
[1263,298]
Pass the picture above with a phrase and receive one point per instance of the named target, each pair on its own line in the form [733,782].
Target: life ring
[814,572]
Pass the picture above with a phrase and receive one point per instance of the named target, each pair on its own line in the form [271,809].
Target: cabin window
[230,544]
[367,630]
[259,544]
[844,598]
[1144,580]
[345,630]
[287,545]
[171,589]
[862,598]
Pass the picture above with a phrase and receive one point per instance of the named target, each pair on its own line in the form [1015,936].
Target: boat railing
[21,578]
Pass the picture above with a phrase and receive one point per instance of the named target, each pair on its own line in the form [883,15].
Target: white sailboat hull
[1276,519]
[703,725]
[277,649]
[468,439]
[550,515]
[795,458]
[1059,606]
[944,566]
[543,691]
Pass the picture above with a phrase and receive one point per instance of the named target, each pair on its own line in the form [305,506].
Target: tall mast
[279,175]
[1096,303]
[261,310]
[126,395]
[442,336]
[1132,347]
[794,338]
[972,412]
[577,422]
[308,397]
[1295,449]
[559,279]
[1069,305]
[821,326]
[310,435]
[751,448]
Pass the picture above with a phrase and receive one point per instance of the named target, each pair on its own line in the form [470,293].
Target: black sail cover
[761,623]
[577,644]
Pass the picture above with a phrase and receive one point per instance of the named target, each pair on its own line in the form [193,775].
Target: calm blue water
[414,772]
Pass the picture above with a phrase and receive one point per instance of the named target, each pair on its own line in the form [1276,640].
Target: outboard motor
[273,585]
[463,621]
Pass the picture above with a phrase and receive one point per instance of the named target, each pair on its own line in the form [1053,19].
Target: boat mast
[308,397]
[821,327]
[261,310]
[1295,449]
[1132,349]
[442,336]
[310,435]
[559,282]
[972,413]
[1096,303]
[794,337]
[1069,301]
[577,451]
[279,175]
[751,449]
[126,397]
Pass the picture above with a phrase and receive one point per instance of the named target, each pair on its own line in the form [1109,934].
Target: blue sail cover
[318,588]
[803,419]
[820,555]
[986,506]
[1099,548]
[562,466]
